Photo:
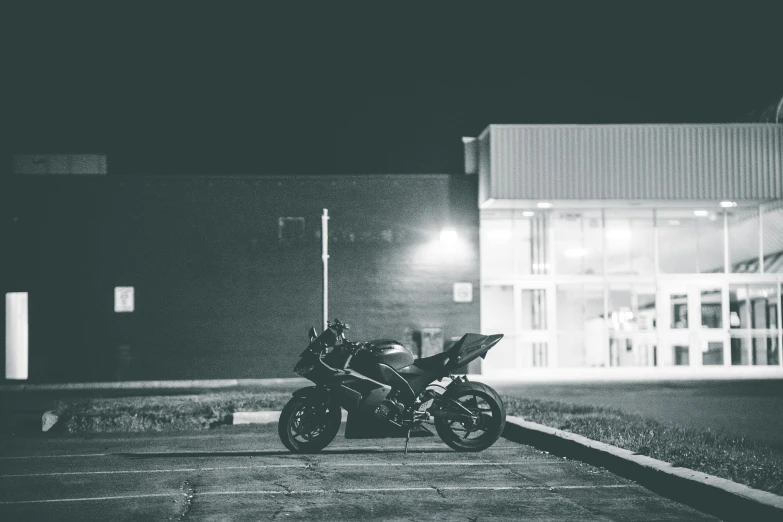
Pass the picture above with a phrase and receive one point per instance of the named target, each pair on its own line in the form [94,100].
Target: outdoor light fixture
[528,213]
[700,213]
[544,204]
[448,237]
[728,204]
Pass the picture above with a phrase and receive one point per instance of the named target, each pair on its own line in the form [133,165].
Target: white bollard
[16,335]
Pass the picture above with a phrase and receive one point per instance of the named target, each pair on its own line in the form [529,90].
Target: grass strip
[161,413]
[715,452]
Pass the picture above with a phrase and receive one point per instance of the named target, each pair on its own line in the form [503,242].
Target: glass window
[690,243]
[503,356]
[532,355]
[712,353]
[773,239]
[507,244]
[744,240]
[578,242]
[497,251]
[533,309]
[497,302]
[679,311]
[753,306]
[711,308]
[765,350]
[581,336]
[630,242]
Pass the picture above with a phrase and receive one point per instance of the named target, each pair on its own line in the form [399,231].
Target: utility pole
[325,258]
[777,112]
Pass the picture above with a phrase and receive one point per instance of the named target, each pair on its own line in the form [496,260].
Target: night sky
[245,88]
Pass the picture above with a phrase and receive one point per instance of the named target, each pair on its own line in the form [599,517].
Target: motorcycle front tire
[307,425]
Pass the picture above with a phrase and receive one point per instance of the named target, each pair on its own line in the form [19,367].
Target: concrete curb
[217,384]
[714,495]
[264,417]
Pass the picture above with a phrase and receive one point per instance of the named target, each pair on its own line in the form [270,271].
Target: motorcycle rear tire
[494,430]
[295,410]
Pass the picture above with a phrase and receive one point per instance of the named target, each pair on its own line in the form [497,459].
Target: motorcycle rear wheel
[307,425]
[481,400]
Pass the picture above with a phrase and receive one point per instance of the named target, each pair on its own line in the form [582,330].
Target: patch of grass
[717,453]
[162,413]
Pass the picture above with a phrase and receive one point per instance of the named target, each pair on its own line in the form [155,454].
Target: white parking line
[328,491]
[57,456]
[250,452]
[272,466]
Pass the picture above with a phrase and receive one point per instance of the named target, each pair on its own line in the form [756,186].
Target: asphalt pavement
[244,473]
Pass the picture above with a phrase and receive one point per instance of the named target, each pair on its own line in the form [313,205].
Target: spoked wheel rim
[487,418]
[308,423]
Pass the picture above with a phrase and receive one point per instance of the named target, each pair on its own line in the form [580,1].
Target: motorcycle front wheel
[482,401]
[307,425]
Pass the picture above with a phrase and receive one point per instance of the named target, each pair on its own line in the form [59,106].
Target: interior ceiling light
[544,204]
[528,213]
[674,222]
[728,204]
[700,213]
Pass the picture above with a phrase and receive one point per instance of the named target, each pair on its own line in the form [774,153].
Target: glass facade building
[649,279]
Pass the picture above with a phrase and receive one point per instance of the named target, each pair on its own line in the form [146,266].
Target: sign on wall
[463,292]
[123,299]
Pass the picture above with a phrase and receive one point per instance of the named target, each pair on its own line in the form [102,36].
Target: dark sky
[243,88]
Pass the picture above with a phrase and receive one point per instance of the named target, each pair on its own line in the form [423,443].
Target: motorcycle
[389,394]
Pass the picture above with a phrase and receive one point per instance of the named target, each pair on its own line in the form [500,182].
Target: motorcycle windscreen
[327,338]
[470,347]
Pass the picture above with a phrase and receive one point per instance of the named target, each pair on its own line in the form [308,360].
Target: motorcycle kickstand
[407,439]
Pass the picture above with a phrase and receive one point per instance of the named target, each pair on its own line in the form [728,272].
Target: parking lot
[244,473]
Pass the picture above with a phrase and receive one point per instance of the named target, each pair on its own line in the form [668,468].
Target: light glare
[728,204]
[618,234]
[448,236]
[700,213]
[544,204]
[575,252]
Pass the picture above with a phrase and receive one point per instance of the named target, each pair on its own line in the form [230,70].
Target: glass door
[693,324]
[523,313]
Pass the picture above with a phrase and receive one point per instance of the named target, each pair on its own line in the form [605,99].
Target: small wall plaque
[123,299]
[463,292]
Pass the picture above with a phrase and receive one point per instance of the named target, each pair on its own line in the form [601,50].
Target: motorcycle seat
[433,362]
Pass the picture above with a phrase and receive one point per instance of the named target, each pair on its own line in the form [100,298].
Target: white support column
[780,320]
[726,257]
[325,259]
[656,253]
[761,241]
[16,335]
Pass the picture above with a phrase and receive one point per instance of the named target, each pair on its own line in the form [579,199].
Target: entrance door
[693,323]
[523,313]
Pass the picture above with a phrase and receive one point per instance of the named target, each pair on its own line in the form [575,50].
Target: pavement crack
[189,491]
[439,491]
[287,489]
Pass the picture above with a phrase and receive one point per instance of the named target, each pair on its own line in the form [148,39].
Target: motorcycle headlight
[304,371]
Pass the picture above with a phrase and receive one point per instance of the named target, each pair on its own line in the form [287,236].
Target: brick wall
[218,293]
